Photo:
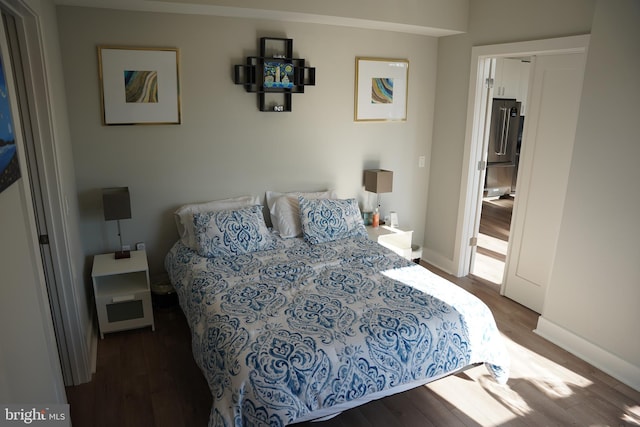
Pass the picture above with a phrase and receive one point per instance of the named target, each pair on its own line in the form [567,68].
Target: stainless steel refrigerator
[503,147]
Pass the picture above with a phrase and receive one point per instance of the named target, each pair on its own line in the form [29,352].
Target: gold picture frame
[381,89]
[139,85]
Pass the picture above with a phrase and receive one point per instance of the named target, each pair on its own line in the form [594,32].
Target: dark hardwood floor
[146,378]
[493,236]
[495,218]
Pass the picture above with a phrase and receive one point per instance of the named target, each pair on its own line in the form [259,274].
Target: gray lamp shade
[116,203]
[378,180]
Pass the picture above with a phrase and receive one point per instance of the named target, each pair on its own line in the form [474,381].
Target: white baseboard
[94,351]
[607,362]
[438,261]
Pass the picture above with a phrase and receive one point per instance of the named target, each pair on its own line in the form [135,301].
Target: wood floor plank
[404,410]
[378,415]
[352,417]
[167,411]
[434,409]
[136,401]
[495,217]
[83,397]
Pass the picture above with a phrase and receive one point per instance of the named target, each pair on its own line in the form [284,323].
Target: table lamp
[117,206]
[378,181]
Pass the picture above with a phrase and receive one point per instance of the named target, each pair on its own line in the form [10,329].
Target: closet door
[29,362]
[545,160]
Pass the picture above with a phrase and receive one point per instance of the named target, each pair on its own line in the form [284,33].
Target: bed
[293,329]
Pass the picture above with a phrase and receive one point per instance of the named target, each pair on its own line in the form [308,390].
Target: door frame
[474,148]
[77,349]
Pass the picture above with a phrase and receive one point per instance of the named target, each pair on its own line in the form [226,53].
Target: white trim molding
[608,362]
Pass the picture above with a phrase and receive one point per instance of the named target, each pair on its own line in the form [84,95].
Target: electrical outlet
[421,161]
[126,247]
[140,246]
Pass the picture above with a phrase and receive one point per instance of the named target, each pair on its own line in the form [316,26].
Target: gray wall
[225,147]
[594,288]
[490,22]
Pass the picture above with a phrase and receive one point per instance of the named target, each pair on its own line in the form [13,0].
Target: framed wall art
[9,166]
[274,74]
[381,89]
[139,85]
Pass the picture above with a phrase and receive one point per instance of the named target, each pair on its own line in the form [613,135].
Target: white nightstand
[122,293]
[395,239]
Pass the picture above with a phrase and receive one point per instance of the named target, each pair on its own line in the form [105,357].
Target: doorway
[52,218]
[24,120]
[508,87]
[544,122]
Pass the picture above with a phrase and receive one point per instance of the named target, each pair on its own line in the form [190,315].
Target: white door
[554,99]
[29,363]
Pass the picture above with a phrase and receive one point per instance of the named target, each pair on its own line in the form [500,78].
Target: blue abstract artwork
[141,86]
[9,167]
[381,90]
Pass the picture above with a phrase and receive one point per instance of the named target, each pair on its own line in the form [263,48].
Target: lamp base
[122,254]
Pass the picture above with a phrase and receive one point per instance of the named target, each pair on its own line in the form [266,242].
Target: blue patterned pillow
[325,220]
[231,232]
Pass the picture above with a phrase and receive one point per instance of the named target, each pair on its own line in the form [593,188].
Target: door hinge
[489,82]
[482,165]
[473,241]
[43,239]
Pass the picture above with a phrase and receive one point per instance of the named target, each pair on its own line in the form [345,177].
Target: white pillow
[285,210]
[184,215]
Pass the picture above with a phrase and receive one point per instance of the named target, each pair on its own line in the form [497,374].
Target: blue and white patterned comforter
[282,333]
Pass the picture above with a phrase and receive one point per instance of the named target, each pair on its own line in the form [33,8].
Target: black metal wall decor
[275,74]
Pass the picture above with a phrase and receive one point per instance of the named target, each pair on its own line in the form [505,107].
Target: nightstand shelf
[122,292]
[392,238]
[121,283]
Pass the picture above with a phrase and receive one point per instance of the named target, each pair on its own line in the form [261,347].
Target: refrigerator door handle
[507,120]
[503,126]
[498,147]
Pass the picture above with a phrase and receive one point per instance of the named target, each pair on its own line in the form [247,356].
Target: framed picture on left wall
[139,85]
